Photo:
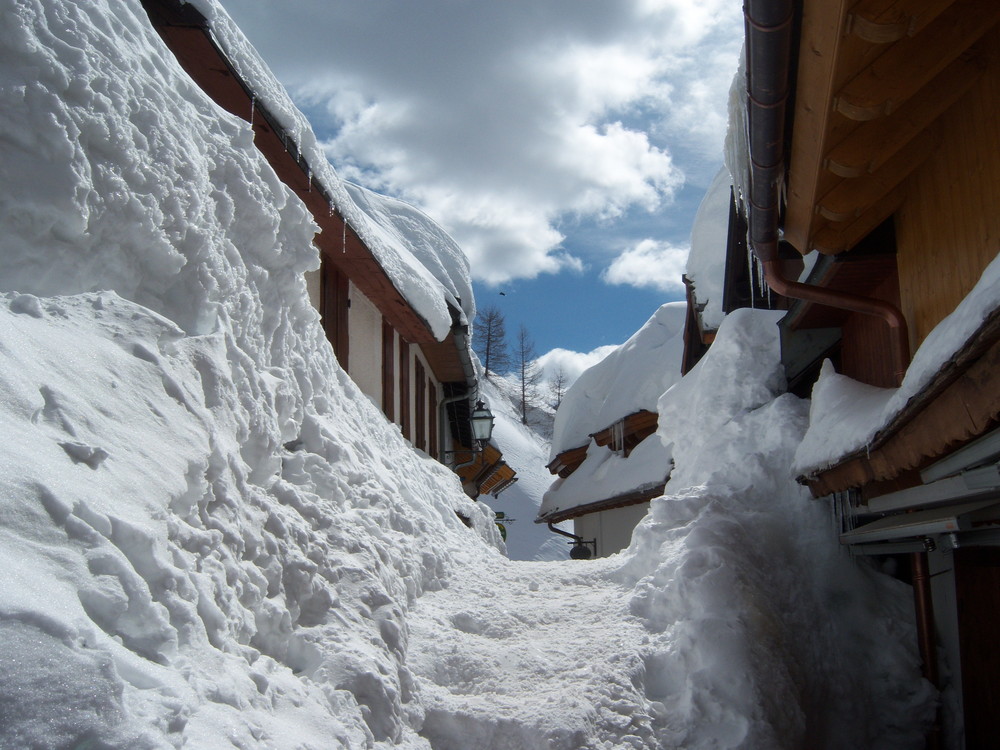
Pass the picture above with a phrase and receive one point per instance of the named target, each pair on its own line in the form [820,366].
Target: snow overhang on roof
[397,257]
[606,479]
[629,379]
[936,408]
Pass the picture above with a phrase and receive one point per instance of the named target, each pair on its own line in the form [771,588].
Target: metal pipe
[768,30]
[924,605]
[575,537]
[900,341]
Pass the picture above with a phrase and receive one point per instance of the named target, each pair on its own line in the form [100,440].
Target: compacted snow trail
[537,654]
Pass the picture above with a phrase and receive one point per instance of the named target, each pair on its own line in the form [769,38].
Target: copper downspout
[768,26]
[846,301]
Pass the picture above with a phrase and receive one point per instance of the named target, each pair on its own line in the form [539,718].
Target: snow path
[494,656]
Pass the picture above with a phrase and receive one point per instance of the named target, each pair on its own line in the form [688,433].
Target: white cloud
[651,264]
[503,120]
[571,363]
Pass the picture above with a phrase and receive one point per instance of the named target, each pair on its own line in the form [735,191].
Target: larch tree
[528,372]
[489,340]
[557,387]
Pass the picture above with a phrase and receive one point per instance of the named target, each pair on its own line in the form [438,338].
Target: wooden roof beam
[911,63]
[883,21]
[837,237]
[852,197]
[873,143]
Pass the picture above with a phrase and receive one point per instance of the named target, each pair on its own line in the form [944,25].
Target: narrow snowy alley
[532,655]
[217,531]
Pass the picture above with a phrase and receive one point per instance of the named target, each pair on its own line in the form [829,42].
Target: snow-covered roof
[629,379]
[423,261]
[706,264]
[605,475]
[424,264]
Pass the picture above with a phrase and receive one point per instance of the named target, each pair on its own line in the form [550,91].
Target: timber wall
[948,228]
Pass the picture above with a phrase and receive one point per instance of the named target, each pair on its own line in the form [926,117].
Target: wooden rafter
[883,21]
[912,62]
[870,145]
[866,105]
[852,197]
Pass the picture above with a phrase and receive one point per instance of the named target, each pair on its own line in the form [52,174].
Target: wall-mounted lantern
[482,424]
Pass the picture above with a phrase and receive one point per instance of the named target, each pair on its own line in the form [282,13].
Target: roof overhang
[873,78]
[634,497]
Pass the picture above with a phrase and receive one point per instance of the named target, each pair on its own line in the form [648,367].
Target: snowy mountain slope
[527,452]
[211,539]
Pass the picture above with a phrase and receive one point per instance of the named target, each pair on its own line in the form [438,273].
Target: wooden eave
[568,461]
[873,78]
[637,427]
[501,476]
[619,501]
[961,403]
[187,35]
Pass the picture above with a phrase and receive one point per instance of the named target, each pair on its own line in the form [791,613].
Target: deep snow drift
[211,539]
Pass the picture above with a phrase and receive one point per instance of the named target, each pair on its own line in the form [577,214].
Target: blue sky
[564,144]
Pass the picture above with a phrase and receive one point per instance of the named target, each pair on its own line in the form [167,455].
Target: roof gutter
[769,37]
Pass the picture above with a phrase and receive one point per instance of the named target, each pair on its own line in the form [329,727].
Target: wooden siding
[432,417]
[866,344]
[388,371]
[948,228]
[335,312]
[404,389]
[420,406]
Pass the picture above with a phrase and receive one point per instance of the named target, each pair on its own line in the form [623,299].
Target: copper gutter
[768,25]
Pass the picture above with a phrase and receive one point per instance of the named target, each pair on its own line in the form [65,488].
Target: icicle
[253,106]
[751,275]
[343,238]
[309,178]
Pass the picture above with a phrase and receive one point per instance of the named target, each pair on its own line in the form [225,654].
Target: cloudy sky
[565,144]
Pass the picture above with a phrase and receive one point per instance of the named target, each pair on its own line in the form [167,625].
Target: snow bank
[761,632]
[846,415]
[706,264]
[211,537]
[629,379]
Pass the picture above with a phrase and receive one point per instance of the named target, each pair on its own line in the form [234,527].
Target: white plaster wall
[365,335]
[611,528]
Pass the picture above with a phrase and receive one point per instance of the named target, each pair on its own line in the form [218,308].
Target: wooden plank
[869,146]
[909,64]
[853,197]
[818,49]
[948,225]
[883,21]
[837,238]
